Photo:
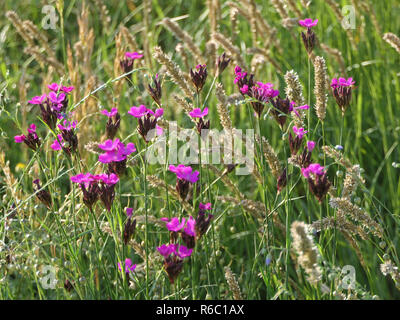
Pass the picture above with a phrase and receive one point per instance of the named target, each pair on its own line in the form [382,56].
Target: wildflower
[199,77]
[295,143]
[48,113]
[282,107]
[97,186]
[155,92]
[128,266]
[58,101]
[147,120]
[342,89]
[294,109]
[31,140]
[205,206]
[309,38]
[111,113]
[174,225]
[116,155]
[133,55]
[200,122]
[113,122]
[89,186]
[202,222]
[197,113]
[43,195]
[189,233]
[173,259]
[308,23]
[282,180]
[185,176]
[127,63]
[222,62]
[68,136]
[167,250]
[317,180]
[310,145]
[130,226]
[107,186]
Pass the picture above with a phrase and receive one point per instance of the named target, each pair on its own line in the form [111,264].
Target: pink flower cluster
[115,151]
[141,111]
[179,251]
[314,168]
[342,82]
[174,225]
[31,130]
[87,178]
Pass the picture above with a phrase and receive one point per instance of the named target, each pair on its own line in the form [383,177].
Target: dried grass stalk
[308,254]
[320,87]
[185,38]
[173,71]
[233,284]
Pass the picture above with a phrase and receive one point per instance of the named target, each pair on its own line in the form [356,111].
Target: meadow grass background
[68,239]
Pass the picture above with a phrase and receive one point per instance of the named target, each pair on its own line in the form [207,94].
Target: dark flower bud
[222,63]
[112,126]
[199,76]
[155,91]
[43,195]
[309,40]
[129,230]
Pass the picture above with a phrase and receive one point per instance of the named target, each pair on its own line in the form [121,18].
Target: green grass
[67,236]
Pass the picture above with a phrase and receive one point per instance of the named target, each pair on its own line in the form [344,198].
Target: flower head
[174,225]
[185,173]
[129,266]
[133,55]
[197,113]
[111,113]
[308,23]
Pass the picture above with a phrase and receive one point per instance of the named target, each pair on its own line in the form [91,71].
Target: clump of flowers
[201,124]
[31,140]
[185,176]
[147,120]
[53,105]
[309,38]
[96,187]
[317,180]
[115,155]
[261,93]
[342,89]
[199,77]
[174,254]
[186,228]
[67,140]
[113,122]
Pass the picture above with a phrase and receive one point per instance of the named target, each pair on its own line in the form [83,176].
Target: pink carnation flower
[133,55]
[308,23]
[110,114]
[197,113]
